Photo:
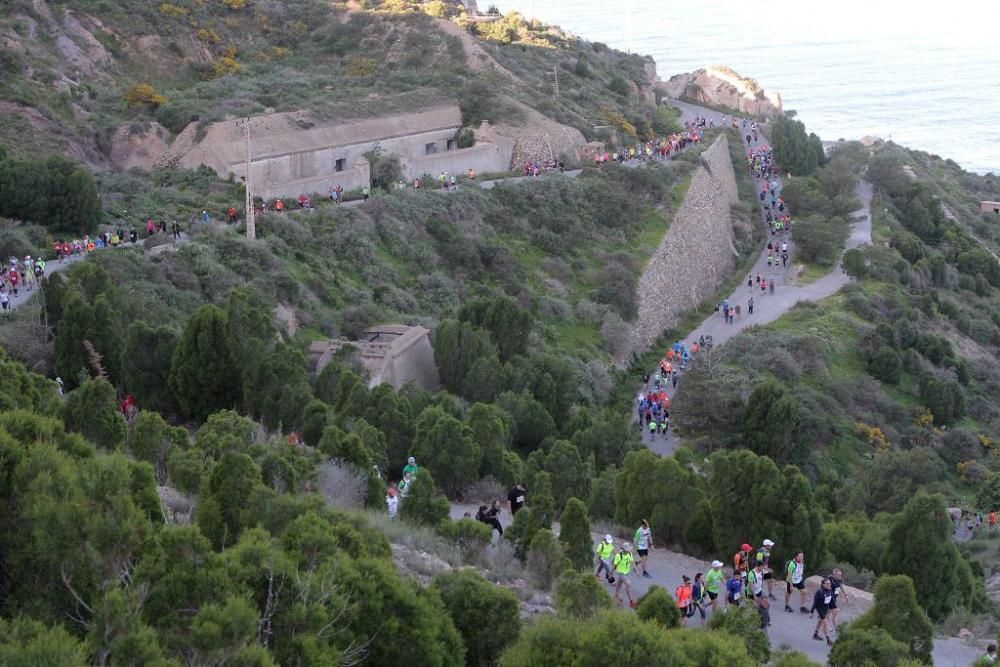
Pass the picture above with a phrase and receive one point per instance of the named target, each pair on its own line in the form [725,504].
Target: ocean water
[924,74]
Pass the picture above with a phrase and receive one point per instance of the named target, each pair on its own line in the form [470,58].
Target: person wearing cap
[764,557]
[741,560]
[411,467]
[713,581]
[605,550]
[623,568]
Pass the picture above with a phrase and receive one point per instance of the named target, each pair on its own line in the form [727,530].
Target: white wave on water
[926,74]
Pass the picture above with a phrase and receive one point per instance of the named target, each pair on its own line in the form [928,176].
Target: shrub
[487,616]
[235,5]
[471,536]
[886,365]
[545,559]
[574,534]
[618,84]
[423,505]
[143,94]
[361,67]
[579,595]
[744,624]
[658,606]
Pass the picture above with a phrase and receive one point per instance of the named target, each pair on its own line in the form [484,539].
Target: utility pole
[555,75]
[248,204]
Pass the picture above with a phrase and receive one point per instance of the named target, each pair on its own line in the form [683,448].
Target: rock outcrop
[695,255]
[722,87]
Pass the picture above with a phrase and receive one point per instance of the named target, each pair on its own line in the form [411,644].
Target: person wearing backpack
[605,549]
[764,556]
[755,591]
[623,568]
[795,577]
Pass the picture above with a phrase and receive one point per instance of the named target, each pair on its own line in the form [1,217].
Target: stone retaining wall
[696,254]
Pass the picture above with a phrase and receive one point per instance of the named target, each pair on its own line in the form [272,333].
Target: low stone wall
[695,255]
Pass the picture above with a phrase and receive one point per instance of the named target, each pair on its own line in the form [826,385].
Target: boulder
[720,86]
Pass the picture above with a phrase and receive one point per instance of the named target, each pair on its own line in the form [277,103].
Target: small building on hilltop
[393,354]
[294,154]
[990,207]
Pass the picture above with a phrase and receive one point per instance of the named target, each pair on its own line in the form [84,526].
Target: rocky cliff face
[721,86]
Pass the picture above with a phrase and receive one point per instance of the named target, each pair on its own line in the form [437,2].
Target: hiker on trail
[770,287]
[991,654]
[4,299]
[713,581]
[150,227]
[763,286]
[673,378]
[741,560]
[643,543]
[750,283]
[734,589]
[605,549]
[763,556]
[993,519]
[494,516]
[682,594]
[698,594]
[750,306]
[392,502]
[405,484]
[645,380]
[515,498]
[623,568]
[755,584]
[837,586]
[821,607]
[795,571]
[411,467]
[13,278]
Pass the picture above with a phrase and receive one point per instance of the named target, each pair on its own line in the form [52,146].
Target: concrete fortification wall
[695,255]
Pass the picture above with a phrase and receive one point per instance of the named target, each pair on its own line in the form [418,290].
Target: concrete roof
[288,133]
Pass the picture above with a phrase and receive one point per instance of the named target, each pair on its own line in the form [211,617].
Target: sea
[923,73]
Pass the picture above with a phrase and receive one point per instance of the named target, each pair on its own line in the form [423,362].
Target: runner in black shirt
[515,497]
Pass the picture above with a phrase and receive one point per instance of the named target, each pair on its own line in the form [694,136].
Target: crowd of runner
[661,148]
[749,582]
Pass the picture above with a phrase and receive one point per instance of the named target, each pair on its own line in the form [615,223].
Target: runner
[515,498]
[734,589]
[698,594]
[837,586]
[764,557]
[682,594]
[712,583]
[605,550]
[623,568]
[643,543]
[821,606]
[755,582]
[795,571]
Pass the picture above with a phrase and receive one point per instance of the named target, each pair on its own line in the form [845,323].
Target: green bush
[471,536]
[580,595]
[658,606]
[545,559]
[574,534]
[487,616]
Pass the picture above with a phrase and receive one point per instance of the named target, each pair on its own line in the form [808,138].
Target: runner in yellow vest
[623,568]
[605,550]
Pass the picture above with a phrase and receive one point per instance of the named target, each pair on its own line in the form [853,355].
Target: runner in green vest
[605,550]
[623,568]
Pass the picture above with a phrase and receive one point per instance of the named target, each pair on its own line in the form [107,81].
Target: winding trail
[772,306]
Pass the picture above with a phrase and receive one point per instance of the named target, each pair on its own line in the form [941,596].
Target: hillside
[67,69]
[193,493]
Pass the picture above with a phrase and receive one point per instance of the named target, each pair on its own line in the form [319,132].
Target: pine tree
[574,533]
[920,547]
[202,373]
